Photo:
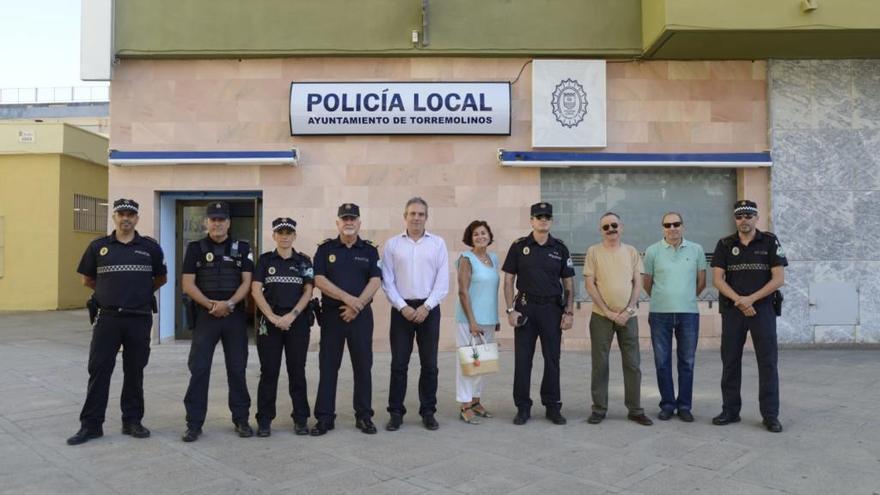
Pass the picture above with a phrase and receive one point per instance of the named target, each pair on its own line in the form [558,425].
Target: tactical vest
[217,272]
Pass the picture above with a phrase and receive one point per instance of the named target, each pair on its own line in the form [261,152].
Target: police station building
[483,108]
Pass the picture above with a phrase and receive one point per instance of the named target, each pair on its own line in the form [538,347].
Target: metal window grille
[89,214]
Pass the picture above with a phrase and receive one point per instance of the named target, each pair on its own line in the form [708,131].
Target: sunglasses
[543,217]
[612,225]
[671,225]
[746,217]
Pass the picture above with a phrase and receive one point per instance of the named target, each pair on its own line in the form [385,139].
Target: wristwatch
[509,310]
[231,305]
[631,311]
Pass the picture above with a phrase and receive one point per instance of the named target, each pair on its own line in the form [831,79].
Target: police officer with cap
[348,272]
[541,267]
[748,271]
[217,276]
[124,269]
[282,289]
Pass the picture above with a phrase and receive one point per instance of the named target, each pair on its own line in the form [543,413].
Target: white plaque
[568,104]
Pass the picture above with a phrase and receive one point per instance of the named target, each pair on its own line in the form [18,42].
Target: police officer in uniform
[124,269]
[748,271]
[541,267]
[217,276]
[348,272]
[282,289]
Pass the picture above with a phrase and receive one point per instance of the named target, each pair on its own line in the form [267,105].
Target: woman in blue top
[476,312]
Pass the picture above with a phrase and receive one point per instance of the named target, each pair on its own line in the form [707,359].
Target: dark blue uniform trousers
[544,322]
[734,326]
[427,335]
[295,344]
[232,332]
[109,332]
[334,334]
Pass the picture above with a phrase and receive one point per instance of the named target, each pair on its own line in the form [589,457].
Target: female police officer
[282,288]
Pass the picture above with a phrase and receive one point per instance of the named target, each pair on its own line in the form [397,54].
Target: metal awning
[575,159]
[133,158]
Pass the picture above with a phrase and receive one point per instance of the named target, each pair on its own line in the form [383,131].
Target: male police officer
[217,276]
[348,272]
[282,289]
[124,269]
[748,270]
[542,308]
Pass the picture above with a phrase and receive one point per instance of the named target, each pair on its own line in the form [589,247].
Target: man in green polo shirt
[674,275]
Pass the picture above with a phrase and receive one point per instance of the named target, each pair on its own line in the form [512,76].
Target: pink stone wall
[243,105]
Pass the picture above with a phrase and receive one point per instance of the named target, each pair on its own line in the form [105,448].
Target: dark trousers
[543,321]
[427,335]
[334,334]
[295,345]
[232,332]
[109,332]
[734,326]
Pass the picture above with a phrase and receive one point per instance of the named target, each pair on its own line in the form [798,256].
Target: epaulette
[149,239]
[521,239]
[729,240]
[371,243]
[304,255]
[325,241]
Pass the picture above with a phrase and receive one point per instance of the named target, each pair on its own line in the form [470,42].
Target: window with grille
[89,214]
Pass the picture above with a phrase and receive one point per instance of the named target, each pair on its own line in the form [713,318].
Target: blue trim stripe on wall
[198,155]
[557,156]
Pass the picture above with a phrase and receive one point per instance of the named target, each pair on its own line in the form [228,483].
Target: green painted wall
[231,28]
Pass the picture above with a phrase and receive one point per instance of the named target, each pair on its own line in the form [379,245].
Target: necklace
[484,259]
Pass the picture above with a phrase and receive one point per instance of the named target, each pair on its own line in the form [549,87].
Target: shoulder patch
[325,241]
[371,243]
[305,257]
[150,239]
[521,239]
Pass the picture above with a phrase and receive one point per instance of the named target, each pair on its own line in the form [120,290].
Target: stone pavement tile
[45,481]
[390,487]
[619,469]
[170,482]
[674,480]
[173,466]
[571,458]
[279,469]
[343,482]
[403,451]
[666,445]
[560,483]
[223,487]
[16,457]
[714,455]
[721,486]
[477,471]
[808,473]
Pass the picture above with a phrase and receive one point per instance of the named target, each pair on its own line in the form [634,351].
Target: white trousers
[469,387]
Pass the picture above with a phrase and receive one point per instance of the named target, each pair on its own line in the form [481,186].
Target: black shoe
[244,429]
[394,422]
[725,419]
[522,417]
[773,425]
[556,417]
[685,416]
[640,419]
[301,428]
[366,426]
[664,415]
[84,435]
[136,430]
[321,428]
[264,431]
[595,418]
[191,434]
[429,422]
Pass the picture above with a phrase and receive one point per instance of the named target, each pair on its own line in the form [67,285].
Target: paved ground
[830,402]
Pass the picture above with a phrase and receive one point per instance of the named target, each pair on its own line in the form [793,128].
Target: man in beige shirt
[612,276]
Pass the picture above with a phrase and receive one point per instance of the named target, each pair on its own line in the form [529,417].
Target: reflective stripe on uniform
[283,280]
[124,268]
[747,266]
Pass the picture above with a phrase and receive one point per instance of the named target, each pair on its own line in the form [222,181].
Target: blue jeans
[686,327]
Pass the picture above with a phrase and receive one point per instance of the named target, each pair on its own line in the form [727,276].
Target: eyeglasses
[612,225]
[744,217]
[671,225]
[543,217]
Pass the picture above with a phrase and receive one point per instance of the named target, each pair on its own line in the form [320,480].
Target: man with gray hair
[415,277]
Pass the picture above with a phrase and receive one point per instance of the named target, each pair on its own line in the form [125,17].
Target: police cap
[348,210]
[217,209]
[542,209]
[123,204]
[283,223]
[745,207]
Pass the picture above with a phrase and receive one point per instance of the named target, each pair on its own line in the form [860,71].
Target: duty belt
[524,299]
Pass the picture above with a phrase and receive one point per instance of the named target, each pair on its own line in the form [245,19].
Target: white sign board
[568,104]
[96,40]
[399,108]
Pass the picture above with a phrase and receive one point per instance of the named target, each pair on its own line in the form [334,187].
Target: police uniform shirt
[194,257]
[747,268]
[350,269]
[538,268]
[283,279]
[123,272]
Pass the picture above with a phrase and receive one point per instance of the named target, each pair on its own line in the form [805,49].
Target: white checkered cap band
[747,210]
[284,225]
[126,206]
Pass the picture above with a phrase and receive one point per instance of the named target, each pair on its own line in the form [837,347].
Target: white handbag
[478,358]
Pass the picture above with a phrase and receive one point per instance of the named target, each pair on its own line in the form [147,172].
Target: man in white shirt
[415,277]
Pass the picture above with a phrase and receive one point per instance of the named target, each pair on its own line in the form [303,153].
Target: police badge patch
[735,251]
[103,251]
[526,250]
[271,270]
[569,103]
[209,257]
[332,258]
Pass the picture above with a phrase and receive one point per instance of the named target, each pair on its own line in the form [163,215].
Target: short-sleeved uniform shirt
[123,273]
[538,268]
[283,279]
[674,273]
[614,270]
[194,255]
[349,268]
[747,268]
